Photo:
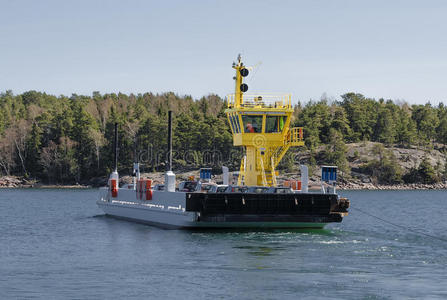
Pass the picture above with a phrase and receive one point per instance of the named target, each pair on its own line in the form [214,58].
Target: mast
[116,147]
[238,79]
[260,123]
[170,140]
[136,163]
[170,176]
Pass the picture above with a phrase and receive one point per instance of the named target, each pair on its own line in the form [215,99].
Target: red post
[114,188]
[148,189]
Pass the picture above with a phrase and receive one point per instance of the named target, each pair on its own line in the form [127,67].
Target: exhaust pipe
[170,140]
[170,176]
[116,147]
[113,182]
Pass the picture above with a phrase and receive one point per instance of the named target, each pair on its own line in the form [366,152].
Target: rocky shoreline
[412,186]
[10,182]
[18,182]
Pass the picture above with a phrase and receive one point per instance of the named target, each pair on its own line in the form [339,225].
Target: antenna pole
[238,92]
[135,146]
[170,140]
[116,147]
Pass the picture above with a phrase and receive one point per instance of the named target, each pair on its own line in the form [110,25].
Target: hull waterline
[189,211]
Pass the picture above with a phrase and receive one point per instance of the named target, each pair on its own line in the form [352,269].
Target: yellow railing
[295,137]
[260,101]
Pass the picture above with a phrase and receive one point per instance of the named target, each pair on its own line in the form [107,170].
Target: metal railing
[260,101]
[295,136]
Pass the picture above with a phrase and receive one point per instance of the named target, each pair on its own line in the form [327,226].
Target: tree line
[62,139]
[356,118]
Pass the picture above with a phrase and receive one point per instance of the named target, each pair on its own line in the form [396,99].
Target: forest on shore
[67,140]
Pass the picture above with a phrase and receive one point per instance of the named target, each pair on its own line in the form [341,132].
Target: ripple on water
[58,244]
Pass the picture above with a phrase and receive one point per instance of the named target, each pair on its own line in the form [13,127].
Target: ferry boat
[261,125]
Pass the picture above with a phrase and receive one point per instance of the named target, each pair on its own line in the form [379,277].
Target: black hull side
[329,206]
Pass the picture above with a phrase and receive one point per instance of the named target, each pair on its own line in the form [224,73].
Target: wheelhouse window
[252,124]
[235,123]
[233,126]
[274,124]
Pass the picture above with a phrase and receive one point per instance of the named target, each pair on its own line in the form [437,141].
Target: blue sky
[382,49]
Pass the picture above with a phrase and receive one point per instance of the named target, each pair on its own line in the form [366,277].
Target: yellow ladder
[264,179]
[241,177]
[273,174]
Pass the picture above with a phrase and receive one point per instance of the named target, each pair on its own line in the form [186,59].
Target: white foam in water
[339,242]
[331,242]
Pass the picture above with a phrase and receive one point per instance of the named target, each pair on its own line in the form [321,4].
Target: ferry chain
[400,226]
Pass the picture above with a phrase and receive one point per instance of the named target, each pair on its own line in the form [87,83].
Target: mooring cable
[398,225]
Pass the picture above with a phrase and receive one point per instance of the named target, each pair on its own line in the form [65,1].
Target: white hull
[141,214]
[167,209]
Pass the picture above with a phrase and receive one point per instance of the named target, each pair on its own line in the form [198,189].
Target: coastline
[372,187]
[8,182]
[15,182]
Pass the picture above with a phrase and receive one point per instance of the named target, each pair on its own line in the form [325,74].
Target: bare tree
[98,140]
[7,151]
[104,107]
[49,158]
[34,111]
[132,130]
[20,131]
[66,164]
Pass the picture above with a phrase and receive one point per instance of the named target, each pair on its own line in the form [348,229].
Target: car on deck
[236,189]
[279,190]
[218,188]
[188,186]
[257,189]
[206,187]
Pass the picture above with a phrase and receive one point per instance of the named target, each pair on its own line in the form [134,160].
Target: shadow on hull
[225,228]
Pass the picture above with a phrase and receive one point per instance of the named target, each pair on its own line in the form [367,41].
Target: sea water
[56,244]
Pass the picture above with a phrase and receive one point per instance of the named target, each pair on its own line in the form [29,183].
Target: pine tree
[33,148]
[426,172]
[335,152]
